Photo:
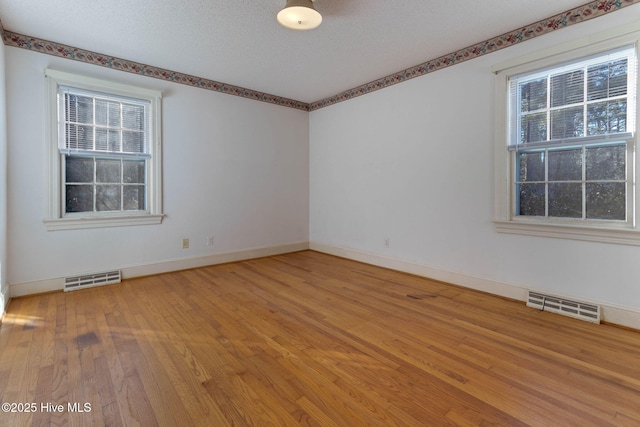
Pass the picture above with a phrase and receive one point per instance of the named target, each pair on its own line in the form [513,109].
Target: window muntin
[571,131]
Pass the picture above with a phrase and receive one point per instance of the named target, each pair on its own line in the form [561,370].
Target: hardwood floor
[308,339]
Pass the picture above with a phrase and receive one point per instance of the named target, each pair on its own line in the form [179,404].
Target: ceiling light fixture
[299,15]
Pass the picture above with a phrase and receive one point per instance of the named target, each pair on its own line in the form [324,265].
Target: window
[569,134]
[567,157]
[104,153]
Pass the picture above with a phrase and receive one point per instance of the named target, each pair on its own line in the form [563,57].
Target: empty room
[319,213]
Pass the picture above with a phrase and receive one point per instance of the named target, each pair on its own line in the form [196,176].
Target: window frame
[505,218]
[55,217]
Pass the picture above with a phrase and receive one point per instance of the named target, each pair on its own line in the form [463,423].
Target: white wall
[4,288]
[234,168]
[414,163]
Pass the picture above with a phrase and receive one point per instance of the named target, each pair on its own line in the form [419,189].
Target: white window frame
[55,218]
[505,220]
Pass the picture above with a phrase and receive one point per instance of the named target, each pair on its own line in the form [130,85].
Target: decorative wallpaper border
[56,49]
[579,14]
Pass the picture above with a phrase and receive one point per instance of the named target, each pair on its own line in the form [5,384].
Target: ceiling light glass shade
[299,15]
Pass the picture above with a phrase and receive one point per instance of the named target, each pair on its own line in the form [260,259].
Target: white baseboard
[4,300]
[57,283]
[623,316]
[619,315]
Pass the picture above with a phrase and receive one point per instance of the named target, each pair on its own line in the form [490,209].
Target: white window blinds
[590,100]
[91,123]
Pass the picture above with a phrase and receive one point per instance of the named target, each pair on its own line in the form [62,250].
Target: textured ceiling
[239,42]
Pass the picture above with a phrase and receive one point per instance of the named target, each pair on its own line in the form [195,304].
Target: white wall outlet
[210,241]
[387,242]
[185,243]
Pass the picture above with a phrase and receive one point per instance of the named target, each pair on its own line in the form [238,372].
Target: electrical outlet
[210,241]
[185,243]
[386,242]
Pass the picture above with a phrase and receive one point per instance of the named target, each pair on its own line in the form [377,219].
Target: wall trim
[611,313]
[159,267]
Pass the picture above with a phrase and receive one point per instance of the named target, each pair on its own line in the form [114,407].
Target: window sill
[54,224]
[623,236]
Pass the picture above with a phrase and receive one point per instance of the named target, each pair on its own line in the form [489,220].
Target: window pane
[533,95]
[133,172]
[533,127]
[531,199]
[108,171]
[102,136]
[134,198]
[79,137]
[565,165]
[607,117]
[618,77]
[133,142]
[606,162]
[79,198]
[114,141]
[107,140]
[108,198]
[133,117]
[531,166]
[567,123]
[606,201]
[79,109]
[567,88]
[607,80]
[107,113]
[565,200]
[78,169]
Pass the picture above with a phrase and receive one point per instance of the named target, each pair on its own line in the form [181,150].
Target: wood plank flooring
[313,340]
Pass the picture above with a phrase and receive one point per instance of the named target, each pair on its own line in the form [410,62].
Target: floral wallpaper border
[56,49]
[579,14]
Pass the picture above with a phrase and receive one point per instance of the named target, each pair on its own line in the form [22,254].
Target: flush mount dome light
[299,15]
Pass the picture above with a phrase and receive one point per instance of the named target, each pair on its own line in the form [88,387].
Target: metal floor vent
[576,309]
[91,280]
